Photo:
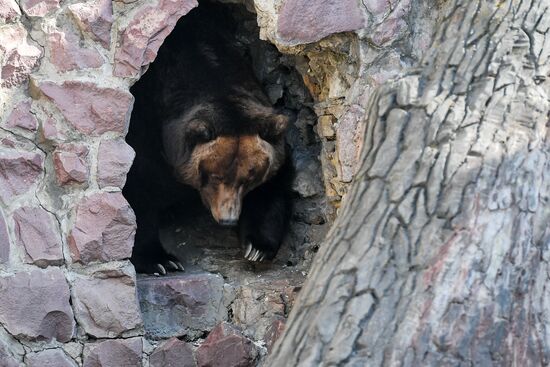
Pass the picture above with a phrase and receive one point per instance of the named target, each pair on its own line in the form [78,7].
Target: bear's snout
[225,206]
[229,222]
[227,213]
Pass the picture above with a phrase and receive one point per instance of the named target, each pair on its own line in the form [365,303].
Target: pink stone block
[67,54]
[105,303]
[173,353]
[96,18]
[49,130]
[35,305]
[114,160]
[306,21]
[39,8]
[49,358]
[36,232]
[226,346]
[104,229]
[70,164]
[20,170]
[183,304]
[89,108]
[22,117]
[114,353]
[141,39]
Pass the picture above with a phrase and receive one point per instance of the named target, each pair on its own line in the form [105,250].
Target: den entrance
[187,229]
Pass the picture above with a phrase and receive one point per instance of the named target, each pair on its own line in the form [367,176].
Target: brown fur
[258,108]
[225,169]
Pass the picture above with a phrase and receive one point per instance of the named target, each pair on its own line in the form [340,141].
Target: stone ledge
[181,305]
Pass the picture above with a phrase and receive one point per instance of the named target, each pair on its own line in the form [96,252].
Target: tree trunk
[440,253]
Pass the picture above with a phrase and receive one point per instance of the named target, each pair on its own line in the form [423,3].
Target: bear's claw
[253,254]
[248,250]
[175,265]
[157,263]
[161,270]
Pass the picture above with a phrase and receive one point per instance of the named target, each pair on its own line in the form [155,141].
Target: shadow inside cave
[187,228]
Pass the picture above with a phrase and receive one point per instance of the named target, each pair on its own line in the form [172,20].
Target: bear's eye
[251,172]
[216,178]
[199,130]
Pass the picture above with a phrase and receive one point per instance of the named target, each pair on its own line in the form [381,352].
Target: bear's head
[225,167]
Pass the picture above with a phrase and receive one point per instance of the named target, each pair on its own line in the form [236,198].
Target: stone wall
[68,291]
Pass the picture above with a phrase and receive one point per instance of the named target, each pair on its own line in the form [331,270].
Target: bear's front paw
[156,263]
[253,254]
[259,251]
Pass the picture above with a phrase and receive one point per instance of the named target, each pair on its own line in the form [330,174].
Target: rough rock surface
[114,353]
[141,39]
[4,240]
[104,228]
[305,21]
[226,346]
[66,54]
[37,233]
[182,305]
[38,8]
[20,170]
[70,164]
[105,302]
[49,358]
[9,11]
[350,130]
[173,353]
[22,117]
[11,351]
[393,23]
[274,331]
[91,109]
[277,298]
[49,130]
[35,305]
[20,56]
[96,18]
[6,358]
[114,161]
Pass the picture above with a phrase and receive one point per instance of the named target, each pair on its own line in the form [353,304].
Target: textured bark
[440,253]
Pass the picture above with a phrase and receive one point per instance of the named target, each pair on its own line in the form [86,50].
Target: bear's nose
[228,222]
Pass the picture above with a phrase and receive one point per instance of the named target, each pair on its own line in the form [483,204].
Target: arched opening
[187,229]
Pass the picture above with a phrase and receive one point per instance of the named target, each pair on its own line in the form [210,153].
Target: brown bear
[205,122]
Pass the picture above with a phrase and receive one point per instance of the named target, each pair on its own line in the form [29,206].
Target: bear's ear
[274,127]
[199,130]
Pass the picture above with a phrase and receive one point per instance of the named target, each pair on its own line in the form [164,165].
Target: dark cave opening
[187,228]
